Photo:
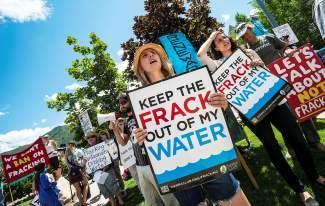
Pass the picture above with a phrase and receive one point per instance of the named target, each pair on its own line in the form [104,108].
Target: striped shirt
[139,152]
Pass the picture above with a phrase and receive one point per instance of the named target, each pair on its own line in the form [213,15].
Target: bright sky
[34,56]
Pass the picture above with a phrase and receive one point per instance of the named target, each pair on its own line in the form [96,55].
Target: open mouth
[153,61]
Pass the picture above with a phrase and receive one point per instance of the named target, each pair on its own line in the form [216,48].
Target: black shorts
[55,163]
[75,178]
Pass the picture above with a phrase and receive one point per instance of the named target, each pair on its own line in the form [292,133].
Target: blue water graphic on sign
[267,96]
[199,166]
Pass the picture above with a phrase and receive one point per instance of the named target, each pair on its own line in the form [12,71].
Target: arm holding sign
[256,60]
[203,52]
[290,52]
[121,137]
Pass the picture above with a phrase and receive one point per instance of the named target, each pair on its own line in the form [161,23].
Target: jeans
[285,122]
[222,188]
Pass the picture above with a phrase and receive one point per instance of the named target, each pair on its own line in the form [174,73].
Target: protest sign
[97,157]
[306,73]
[100,177]
[127,155]
[285,33]
[188,141]
[253,91]
[180,52]
[112,148]
[21,164]
[85,122]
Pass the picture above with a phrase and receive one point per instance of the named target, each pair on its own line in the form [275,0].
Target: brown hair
[217,54]
[67,153]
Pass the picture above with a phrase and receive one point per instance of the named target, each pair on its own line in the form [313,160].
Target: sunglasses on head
[242,27]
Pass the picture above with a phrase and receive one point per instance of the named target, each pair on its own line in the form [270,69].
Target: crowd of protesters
[268,48]
[151,65]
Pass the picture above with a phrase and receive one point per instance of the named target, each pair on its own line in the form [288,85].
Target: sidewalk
[96,198]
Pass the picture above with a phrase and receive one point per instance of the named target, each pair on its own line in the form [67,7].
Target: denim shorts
[222,188]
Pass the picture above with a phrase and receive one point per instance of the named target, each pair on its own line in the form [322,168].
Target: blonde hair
[166,68]
[67,153]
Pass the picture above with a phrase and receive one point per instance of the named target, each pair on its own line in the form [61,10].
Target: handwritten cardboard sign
[21,164]
[306,73]
[286,34]
[97,157]
[188,141]
[127,155]
[85,122]
[253,91]
[112,149]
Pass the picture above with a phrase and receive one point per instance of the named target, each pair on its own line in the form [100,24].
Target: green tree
[169,16]
[239,17]
[298,14]
[102,84]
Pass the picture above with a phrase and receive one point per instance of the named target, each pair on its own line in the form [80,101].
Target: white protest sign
[285,33]
[100,177]
[253,91]
[127,155]
[97,157]
[188,140]
[112,148]
[85,122]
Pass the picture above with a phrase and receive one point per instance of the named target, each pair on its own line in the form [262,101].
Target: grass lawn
[27,203]
[273,189]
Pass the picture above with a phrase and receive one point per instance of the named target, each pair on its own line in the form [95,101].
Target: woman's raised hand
[214,34]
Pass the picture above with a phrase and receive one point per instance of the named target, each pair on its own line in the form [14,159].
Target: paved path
[95,200]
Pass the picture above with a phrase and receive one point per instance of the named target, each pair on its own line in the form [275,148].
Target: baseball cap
[241,29]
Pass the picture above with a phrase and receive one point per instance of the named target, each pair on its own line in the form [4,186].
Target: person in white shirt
[51,149]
